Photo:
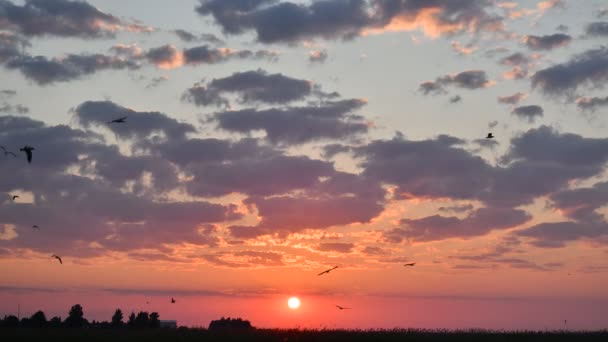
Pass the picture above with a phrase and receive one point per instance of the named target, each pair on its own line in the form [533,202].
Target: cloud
[13,109]
[11,46]
[105,213]
[516,59]
[463,50]
[204,37]
[288,22]
[298,125]
[46,71]
[470,79]
[62,18]
[156,81]
[251,87]
[529,113]
[317,56]
[455,99]
[512,99]
[437,227]
[597,29]
[486,143]
[339,247]
[548,42]
[591,103]
[580,207]
[589,69]
[141,125]
[457,208]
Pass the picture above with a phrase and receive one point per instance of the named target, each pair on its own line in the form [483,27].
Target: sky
[266,141]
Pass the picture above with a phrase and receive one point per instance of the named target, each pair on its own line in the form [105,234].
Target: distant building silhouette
[164,323]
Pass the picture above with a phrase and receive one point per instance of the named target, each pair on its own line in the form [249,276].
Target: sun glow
[293,303]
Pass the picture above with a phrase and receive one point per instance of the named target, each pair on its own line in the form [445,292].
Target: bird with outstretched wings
[28,152]
[327,271]
[342,308]
[119,120]
[57,257]
[410,264]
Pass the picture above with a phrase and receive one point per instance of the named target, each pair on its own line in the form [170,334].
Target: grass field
[170,335]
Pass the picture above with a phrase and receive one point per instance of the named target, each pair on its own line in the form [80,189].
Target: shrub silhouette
[230,324]
[10,321]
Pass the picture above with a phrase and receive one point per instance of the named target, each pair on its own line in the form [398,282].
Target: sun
[293,303]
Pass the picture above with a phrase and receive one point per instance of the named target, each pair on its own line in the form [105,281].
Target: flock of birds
[28,150]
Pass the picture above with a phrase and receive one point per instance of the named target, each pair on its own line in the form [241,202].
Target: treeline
[76,319]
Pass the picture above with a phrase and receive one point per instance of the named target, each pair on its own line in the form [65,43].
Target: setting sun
[293,303]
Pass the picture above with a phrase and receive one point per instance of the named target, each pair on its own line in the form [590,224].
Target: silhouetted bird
[28,151]
[15,196]
[172,300]
[119,120]
[327,271]
[342,308]
[410,264]
[6,153]
[57,257]
[490,136]
[36,227]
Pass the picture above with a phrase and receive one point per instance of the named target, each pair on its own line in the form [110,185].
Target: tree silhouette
[131,322]
[10,321]
[230,324]
[55,322]
[142,320]
[38,319]
[154,321]
[117,318]
[75,317]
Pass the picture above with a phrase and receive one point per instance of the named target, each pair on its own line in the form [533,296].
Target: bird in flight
[28,151]
[342,308]
[15,196]
[57,257]
[172,300]
[119,120]
[327,271]
[36,227]
[410,264]
[490,136]
[6,152]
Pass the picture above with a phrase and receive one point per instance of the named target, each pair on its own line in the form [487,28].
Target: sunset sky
[269,140]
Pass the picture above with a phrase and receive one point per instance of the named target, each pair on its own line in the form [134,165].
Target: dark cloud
[597,29]
[204,37]
[156,81]
[8,93]
[288,22]
[141,124]
[471,79]
[102,212]
[529,113]
[591,103]
[207,55]
[11,46]
[251,86]
[317,56]
[516,59]
[455,99]
[339,247]
[585,222]
[257,177]
[46,71]
[297,125]
[62,18]
[13,109]
[548,42]
[589,68]
[512,99]
[436,227]
[435,168]
[457,208]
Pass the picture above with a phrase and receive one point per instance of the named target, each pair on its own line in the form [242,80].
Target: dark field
[181,334]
